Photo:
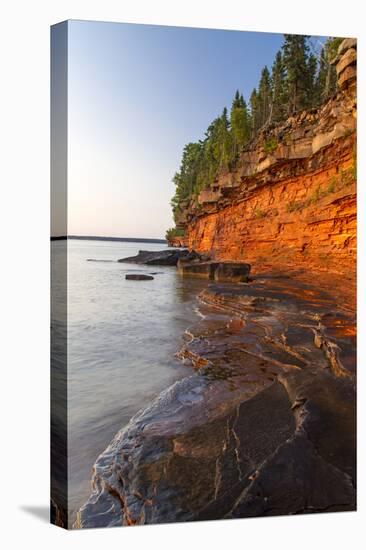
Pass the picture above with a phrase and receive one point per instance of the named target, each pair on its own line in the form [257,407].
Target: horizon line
[103,238]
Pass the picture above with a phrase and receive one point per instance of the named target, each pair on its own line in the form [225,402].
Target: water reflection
[121,342]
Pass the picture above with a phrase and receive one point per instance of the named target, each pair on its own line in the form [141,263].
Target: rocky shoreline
[263,424]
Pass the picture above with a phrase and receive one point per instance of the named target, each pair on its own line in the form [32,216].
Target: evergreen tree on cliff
[298,70]
[254,112]
[279,98]
[311,82]
[185,179]
[264,98]
[239,123]
[297,81]
[224,140]
[326,84]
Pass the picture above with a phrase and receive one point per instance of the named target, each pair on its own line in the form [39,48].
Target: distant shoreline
[119,239]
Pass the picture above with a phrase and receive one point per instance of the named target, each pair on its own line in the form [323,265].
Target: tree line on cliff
[299,79]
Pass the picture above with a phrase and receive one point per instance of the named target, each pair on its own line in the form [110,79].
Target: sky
[136,95]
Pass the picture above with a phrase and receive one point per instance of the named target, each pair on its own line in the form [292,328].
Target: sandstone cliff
[291,201]
[265,424]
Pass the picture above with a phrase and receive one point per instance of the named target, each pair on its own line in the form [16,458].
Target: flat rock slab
[138,277]
[160,257]
[221,272]
[232,272]
[203,270]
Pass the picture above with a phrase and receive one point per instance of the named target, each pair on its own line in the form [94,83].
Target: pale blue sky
[137,95]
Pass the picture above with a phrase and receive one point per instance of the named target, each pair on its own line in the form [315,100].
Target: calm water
[122,337]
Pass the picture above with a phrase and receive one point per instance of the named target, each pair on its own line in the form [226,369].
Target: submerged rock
[161,257]
[139,277]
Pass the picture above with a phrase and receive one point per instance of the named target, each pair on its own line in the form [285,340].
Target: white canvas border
[25,271]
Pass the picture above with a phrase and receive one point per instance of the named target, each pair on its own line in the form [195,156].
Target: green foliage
[239,124]
[326,81]
[336,183]
[259,214]
[346,177]
[255,112]
[292,206]
[354,165]
[174,232]
[270,145]
[264,97]
[298,80]
[301,68]
[279,95]
[332,185]
[318,194]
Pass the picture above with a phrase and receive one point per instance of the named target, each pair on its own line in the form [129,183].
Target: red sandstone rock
[295,206]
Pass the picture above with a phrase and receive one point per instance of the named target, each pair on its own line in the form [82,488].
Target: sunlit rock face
[292,199]
[264,423]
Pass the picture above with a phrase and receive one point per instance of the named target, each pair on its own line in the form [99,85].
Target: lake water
[122,336]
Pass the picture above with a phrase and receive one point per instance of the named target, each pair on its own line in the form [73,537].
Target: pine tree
[297,81]
[236,100]
[254,112]
[310,96]
[322,76]
[264,97]
[326,83]
[224,140]
[278,104]
[239,123]
[295,59]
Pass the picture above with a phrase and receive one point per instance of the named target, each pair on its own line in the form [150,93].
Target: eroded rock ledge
[265,424]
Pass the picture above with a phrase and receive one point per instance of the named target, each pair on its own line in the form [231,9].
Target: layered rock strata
[291,200]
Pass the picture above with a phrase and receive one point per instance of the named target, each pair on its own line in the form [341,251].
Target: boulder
[232,272]
[161,257]
[138,277]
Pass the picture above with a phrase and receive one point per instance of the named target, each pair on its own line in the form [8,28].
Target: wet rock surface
[264,424]
[138,277]
[161,257]
[204,270]
[196,265]
[232,272]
